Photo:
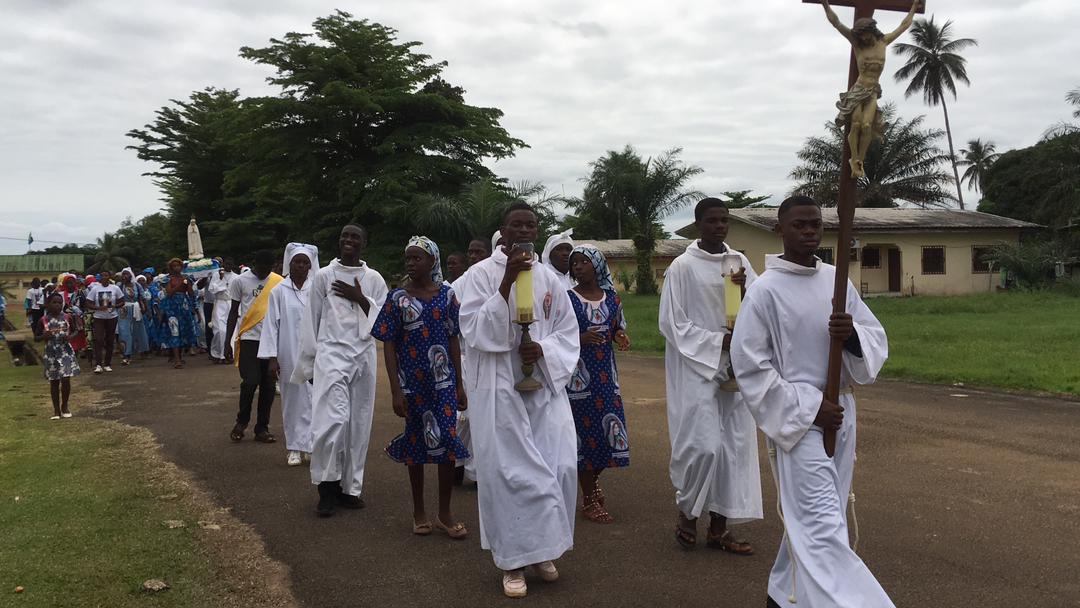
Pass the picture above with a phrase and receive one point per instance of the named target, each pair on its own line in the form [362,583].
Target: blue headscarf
[599,264]
[432,249]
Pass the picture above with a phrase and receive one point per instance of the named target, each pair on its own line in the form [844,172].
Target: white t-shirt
[104,299]
[35,295]
[244,288]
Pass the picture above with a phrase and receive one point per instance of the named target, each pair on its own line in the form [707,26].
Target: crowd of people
[459,351]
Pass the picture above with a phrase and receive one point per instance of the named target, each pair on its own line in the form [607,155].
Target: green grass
[1019,341]
[80,521]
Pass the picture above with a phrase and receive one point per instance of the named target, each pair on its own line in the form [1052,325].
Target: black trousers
[255,375]
[208,316]
[35,321]
[104,341]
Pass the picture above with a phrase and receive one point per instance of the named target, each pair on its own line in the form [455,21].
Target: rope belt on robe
[255,314]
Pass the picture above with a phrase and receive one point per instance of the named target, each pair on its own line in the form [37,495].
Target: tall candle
[523,289]
[732,300]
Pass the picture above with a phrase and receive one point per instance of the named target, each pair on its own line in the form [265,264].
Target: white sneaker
[294,458]
[65,415]
[98,369]
[108,369]
[547,571]
[514,583]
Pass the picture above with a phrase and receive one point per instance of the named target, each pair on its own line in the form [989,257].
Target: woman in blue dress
[177,329]
[419,326]
[594,387]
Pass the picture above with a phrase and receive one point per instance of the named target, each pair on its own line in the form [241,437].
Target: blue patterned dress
[594,394]
[177,328]
[422,331]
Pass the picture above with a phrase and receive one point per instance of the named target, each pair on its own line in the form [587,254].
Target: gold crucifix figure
[859,105]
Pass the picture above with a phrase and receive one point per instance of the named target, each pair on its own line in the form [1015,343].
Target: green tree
[904,165]
[1063,127]
[108,256]
[151,241]
[742,199]
[364,123]
[644,191]
[977,157]
[934,66]
[1039,184]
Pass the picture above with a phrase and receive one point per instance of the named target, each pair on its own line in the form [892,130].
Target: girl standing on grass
[419,325]
[60,361]
[594,393]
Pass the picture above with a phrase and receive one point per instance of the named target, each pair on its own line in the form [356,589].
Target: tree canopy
[362,124]
[903,165]
[1039,184]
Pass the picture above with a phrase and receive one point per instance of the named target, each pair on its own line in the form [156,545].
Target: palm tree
[934,66]
[904,165]
[108,255]
[645,191]
[1065,128]
[977,157]
[742,199]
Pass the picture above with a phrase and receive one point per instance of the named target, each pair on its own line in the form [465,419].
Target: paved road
[964,498]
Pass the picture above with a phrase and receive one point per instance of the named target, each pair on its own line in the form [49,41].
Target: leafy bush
[1031,263]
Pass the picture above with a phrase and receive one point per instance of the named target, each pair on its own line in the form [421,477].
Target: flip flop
[422,528]
[457,532]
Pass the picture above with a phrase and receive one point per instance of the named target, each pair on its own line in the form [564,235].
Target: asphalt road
[965,498]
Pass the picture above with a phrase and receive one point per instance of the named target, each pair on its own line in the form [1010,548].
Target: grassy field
[1021,341]
[81,509]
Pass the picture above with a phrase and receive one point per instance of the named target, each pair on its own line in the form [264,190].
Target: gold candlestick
[528,384]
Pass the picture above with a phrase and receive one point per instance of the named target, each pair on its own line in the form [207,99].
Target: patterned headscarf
[599,264]
[432,249]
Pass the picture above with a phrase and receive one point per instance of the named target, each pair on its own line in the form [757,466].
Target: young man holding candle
[780,355]
[524,443]
[338,353]
[714,462]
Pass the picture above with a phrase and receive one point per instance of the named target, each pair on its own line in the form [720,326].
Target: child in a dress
[419,325]
[60,360]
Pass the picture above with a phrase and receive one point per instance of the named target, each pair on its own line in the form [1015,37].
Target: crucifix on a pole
[861,121]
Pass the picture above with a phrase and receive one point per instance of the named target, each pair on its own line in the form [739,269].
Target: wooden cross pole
[845,210]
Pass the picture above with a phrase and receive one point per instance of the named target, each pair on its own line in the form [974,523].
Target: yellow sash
[256,313]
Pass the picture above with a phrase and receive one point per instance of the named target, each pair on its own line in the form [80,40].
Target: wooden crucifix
[860,118]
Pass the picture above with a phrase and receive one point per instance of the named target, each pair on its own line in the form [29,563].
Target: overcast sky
[738,85]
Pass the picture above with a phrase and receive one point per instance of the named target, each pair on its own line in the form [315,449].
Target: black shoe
[350,502]
[771,603]
[327,497]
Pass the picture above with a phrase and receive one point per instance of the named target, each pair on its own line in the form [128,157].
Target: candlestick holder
[528,384]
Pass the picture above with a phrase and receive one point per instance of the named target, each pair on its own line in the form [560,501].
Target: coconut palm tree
[904,165]
[108,256]
[977,157]
[1065,128]
[934,66]
[645,191]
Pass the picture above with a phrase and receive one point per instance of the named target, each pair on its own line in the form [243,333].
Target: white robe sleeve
[562,343]
[783,410]
[484,316]
[872,339]
[309,330]
[700,347]
[268,340]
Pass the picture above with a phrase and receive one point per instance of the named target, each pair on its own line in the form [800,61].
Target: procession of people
[506,373]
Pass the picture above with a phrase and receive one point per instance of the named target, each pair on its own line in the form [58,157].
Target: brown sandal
[457,531]
[686,537]
[594,510]
[725,542]
[421,529]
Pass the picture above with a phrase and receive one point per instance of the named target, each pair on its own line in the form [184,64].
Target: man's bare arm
[835,21]
[905,24]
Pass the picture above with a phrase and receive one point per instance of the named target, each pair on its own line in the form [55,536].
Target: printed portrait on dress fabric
[432,435]
[440,363]
[615,432]
[410,309]
[580,380]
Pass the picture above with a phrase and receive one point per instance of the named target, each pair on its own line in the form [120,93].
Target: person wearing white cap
[280,343]
[556,256]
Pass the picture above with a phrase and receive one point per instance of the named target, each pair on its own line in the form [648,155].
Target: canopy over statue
[194,241]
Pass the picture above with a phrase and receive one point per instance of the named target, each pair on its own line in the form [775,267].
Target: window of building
[933,260]
[980,262]
[871,257]
[825,253]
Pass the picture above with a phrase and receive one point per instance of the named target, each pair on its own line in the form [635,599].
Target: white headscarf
[293,249]
[495,240]
[562,238]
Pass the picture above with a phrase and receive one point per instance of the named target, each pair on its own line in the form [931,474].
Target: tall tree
[1064,127]
[646,191]
[904,165]
[365,122]
[934,66]
[109,255]
[1039,184]
[742,199]
[977,157]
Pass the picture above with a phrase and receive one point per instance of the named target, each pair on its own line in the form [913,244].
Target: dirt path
[962,500]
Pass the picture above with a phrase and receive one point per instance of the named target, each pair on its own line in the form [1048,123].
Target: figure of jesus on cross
[858,106]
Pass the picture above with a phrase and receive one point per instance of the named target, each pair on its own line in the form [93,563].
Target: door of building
[894,270]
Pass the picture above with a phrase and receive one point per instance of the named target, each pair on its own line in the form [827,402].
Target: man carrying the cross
[859,105]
